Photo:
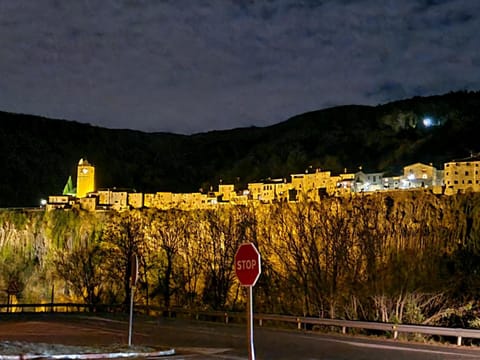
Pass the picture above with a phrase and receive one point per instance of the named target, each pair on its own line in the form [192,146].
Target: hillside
[38,154]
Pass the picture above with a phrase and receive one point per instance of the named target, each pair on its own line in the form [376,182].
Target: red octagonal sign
[247,264]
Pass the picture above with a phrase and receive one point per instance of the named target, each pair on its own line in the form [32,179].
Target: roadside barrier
[261,319]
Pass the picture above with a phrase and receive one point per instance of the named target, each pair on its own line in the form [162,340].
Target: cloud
[187,66]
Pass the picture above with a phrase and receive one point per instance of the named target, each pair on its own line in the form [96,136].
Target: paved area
[201,340]
[83,337]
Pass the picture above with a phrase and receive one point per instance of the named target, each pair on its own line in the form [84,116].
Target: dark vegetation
[38,154]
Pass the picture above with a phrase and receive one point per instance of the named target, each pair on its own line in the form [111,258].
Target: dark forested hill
[37,154]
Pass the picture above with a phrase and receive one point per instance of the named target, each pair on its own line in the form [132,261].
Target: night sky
[189,66]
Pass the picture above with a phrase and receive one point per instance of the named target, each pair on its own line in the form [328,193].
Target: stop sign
[247,264]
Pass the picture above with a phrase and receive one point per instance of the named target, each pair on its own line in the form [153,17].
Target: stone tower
[85,178]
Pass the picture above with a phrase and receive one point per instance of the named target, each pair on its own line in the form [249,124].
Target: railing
[226,317]
[395,329]
[58,308]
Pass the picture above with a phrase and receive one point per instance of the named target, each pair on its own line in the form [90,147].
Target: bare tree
[191,257]
[225,231]
[81,268]
[293,245]
[166,230]
[123,237]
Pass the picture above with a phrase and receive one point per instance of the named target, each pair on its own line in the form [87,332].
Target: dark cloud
[187,66]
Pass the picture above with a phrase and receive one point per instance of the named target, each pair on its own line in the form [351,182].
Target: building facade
[462,175]
[85,178]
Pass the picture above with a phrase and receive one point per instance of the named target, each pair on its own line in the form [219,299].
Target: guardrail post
[344,330]
[395,332]
[226,318]
[459,341]
[299,324]
[260,322]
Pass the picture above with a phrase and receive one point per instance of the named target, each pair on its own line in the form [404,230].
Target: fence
[262,319]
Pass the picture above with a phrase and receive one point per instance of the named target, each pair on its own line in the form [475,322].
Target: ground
[47,334]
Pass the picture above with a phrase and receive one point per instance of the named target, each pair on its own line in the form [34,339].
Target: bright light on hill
[427,122]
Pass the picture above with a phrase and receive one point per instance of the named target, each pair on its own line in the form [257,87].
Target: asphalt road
[202,340]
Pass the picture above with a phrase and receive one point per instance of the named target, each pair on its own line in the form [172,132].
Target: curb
[89,356]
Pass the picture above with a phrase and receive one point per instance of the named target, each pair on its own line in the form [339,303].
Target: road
[202,340]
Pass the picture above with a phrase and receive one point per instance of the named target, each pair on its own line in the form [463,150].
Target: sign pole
[133,283]
[251,348]
[131,317]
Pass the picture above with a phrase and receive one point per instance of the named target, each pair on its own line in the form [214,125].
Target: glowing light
[427,122]
[43,202]
[411,177]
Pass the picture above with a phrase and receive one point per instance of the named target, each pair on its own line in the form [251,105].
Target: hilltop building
[419,175]
[313,185]
[268,191]
[462,175]
[365,182]
[85,178]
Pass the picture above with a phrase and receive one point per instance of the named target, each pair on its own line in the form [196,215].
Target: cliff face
[353,257]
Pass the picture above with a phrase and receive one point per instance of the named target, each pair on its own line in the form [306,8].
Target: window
[466,173]
[469,181]
[455,182]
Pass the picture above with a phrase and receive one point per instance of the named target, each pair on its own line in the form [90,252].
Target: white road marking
[211,352]
[402,348]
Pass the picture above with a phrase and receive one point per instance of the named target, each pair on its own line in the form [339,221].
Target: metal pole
[131,318]
[251,349]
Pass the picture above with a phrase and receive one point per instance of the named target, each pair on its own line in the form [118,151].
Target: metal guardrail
[344,325]
[395,329]
[58,307]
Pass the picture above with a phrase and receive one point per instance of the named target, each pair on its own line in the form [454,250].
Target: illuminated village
[456,176]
